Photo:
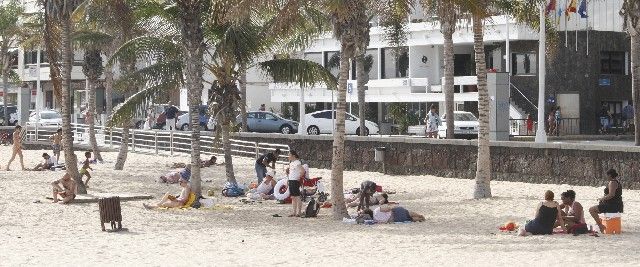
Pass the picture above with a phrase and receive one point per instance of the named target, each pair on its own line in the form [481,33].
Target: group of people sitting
[569,215]
[386,212]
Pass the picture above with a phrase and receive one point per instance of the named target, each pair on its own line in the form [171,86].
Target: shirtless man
[17,147]
[67,191]
[57,141]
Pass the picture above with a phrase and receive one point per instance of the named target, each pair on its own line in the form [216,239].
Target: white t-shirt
[381,216]
[184,195]
[295,170]
[264,187]
[48,161]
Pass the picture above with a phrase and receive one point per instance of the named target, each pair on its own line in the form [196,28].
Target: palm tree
[631,13]
[10,31]
[448,17]
[232,40]
[92,69]
[59,11]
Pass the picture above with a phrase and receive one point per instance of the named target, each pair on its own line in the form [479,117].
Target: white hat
[271,173]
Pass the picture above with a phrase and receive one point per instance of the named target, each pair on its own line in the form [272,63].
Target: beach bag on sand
[232,190]
[312,209]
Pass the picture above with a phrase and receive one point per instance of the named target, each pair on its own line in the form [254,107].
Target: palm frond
[147,48]
[303,72]
[137,103]
[89,39]
[160,73]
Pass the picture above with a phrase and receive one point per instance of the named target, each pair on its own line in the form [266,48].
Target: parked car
[465,126]
[45,118]
[183,120]
[320,122]
[268,122]
[13,115]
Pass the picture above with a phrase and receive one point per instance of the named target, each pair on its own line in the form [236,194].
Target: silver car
[268,122]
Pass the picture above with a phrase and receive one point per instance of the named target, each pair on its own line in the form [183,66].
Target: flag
[571,8]
[583,9]
[550,7]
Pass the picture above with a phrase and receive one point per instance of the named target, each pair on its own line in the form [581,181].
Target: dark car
[268,122]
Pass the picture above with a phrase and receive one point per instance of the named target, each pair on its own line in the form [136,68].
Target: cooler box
[612,223]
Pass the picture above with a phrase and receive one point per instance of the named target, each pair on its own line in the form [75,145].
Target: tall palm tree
[10,31]
[60,11]
[92,69]
[631,13]
[448,16]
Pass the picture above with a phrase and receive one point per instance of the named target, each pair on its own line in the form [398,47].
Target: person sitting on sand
[572,212]
[390,213]
[377,199]
[367,188]
[67,191]
[203,163]
[611,202]
[171,201]
[46,164]
[264,189]
[547,213]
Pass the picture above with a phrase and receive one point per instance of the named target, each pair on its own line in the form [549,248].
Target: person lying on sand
[67,191]
[390,213]
[547,213]
[172,177]
[171,201]
[264,189]
[46,163]
[377,199]
[203,163]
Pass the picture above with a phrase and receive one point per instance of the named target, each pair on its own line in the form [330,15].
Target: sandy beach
[458,231]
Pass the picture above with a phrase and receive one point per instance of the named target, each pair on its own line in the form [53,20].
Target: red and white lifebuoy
[281,190]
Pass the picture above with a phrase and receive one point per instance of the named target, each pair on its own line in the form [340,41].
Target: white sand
[458,231]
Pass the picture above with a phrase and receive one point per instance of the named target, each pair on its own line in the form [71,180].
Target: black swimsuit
[613,205]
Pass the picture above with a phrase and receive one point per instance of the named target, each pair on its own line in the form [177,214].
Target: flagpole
[587,28]
[541,135]
[566,16]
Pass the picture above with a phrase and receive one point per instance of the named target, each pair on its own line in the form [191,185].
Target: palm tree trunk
[448,80]
[71,162]
[92,120]
[108,85]
[243,95]
[193,43]
[483,170]
[635,82]
[124,149]
[337,163]
[226,146]
[4,55]
[362,80]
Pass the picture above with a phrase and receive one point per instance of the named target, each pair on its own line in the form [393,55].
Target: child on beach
[17,147]
[67,191]
[46,164]
[57,141]
[85,167]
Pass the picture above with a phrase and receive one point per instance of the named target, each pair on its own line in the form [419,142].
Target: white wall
[424,70]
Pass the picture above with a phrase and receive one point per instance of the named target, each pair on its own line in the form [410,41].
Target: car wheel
[313,130]
[366,131]
[184,127]
[286,129]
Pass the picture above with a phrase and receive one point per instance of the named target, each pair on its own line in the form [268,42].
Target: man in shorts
[432,121]
[367,188]
[67,191]
[171,112]
[57,143]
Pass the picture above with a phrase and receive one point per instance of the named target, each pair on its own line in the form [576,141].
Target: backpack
[312,208]
[232,190]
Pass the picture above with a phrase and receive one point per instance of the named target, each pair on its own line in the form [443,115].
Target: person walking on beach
[432,121]
[171,112]
[551,122]
[17,147]
[56,138]
[558,120]
[605,117]
[268,159]
[67,191]
[296,172]
[84,171]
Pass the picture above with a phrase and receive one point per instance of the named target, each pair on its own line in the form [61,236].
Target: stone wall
[572,164]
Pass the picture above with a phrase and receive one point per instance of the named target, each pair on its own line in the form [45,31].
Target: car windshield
[50,115]
[465,117]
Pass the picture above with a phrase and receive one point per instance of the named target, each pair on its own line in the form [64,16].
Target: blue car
[268,122]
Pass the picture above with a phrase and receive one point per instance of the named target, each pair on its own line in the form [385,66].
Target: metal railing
[567,126]
[159,142]
[523,96]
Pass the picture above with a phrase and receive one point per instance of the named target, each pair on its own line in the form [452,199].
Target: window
[31,57]
[612,62]
[251,116]
[524,63]
[260,116]
[323,115]
[269,117]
